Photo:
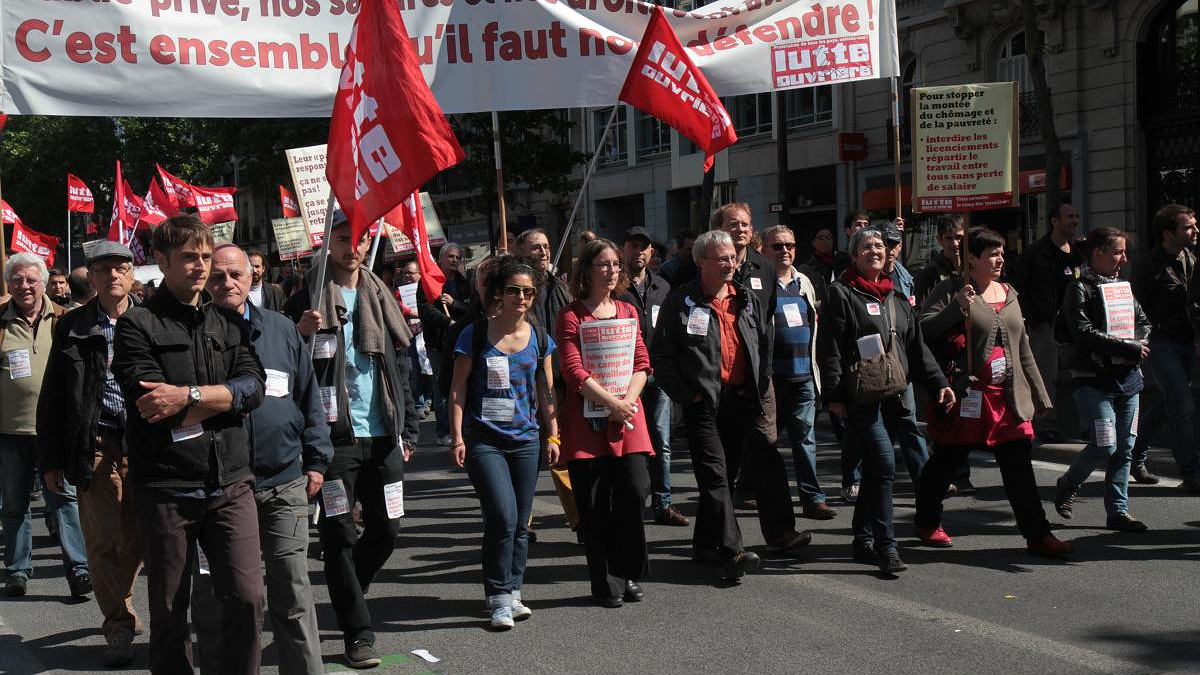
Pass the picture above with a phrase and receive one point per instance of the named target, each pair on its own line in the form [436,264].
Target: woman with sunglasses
[606,456]
[502,379]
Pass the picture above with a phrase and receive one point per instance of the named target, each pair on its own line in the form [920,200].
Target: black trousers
[1016,470]
[609,493]
[719,441]
[352,561]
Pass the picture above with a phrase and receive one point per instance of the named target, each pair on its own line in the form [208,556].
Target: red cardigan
[579,440]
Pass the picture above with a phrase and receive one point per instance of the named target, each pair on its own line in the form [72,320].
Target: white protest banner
[408,295]
[223,232]
[312,190]
[964,147]
[607,350]
[281,58]
[292,238]
[1119,315]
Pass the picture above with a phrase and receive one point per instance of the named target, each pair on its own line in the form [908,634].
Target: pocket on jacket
[173,350]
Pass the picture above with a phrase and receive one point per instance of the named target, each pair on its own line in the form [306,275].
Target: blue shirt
[362,380]
[793,353]
[112,403]
[521,387]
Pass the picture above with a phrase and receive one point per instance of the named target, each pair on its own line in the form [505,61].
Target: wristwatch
[193,395]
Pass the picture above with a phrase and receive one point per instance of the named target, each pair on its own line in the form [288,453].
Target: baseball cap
[638,231]
[891,233]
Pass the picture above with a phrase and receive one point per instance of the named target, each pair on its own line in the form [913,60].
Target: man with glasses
[647,291]
[80,443]
[27,322]
[794,369]
[711,354]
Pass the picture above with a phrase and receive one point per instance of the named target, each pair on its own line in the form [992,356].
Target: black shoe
[633,591]
[890,562]
[865,554]
[1140,474]
[1191,484]
[1123,522]
[362,654]
[1064,500]
[964,487]
[708,558]
[80,585]
[15,587]
[737,566]
[1050,436]
[531,535]
[609,602]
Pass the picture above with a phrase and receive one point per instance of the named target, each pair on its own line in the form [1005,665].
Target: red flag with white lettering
[42,245]
[157,206]
[93,227]
[177,190]
[7,214]
[663,82]
[291,208]
[79,197]
[387,135]
[409,218]
[214,205]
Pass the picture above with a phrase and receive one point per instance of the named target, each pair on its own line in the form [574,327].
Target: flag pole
[583,185]
[375,245]
[896,144]
[68,241]
[502,244]
[3,251]
[314,293]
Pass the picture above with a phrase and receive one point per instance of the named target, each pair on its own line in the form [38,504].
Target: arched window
[1012,65]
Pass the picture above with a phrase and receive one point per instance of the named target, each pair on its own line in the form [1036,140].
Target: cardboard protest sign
[607,350]
[964,147]
[223,232]
[312,189]
[291,237]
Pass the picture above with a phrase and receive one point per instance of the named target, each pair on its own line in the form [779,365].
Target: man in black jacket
[290,451]
[189,374]
[263,293]
[647,291]
[450,307]
[356,329]
[944,264]
[80,422]
[1041,278]
[711,354]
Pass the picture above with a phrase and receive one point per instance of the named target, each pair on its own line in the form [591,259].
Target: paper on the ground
[334,498]
[424,653]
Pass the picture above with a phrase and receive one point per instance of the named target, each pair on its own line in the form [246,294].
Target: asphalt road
[1125,605]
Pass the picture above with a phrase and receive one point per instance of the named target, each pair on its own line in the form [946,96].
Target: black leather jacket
[1098,356]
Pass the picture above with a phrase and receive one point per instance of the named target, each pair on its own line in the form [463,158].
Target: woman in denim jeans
[858,315]
[501,381]
[1109,331]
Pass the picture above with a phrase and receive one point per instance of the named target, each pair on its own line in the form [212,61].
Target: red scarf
[879,289]
[826,258]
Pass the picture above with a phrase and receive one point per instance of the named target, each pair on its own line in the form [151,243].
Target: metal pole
[566,236]
[896,144]
[502,244]
[68,241]
[375,245]
[314,293]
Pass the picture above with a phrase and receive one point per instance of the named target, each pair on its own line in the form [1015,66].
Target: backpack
[478,344]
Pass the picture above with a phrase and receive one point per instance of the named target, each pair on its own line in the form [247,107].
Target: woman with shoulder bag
[1109,331]
[869,348]
[502,379]
[1000,392]
[606,456]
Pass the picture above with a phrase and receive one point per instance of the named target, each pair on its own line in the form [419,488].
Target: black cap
[891,233]
[109,249]
[638,231]
[339,218]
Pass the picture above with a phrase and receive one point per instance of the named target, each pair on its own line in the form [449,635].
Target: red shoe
[1050,546]
[935,537]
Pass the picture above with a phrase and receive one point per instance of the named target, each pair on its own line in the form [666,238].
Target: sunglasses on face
[781,245]
[527,291]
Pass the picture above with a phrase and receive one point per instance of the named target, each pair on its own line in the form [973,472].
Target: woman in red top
[606,456]
[998,387]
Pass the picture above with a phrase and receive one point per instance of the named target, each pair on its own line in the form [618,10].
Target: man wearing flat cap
[80,423]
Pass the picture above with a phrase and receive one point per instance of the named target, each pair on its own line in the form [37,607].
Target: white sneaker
[519,611]
[444,439]
[850,494]
[502,618]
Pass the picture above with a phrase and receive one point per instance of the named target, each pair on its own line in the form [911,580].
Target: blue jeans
[1172,363]
[658,417]
[1095,405]
[504,473]
[905,433]
[18,462]
[874,428]
[796,411]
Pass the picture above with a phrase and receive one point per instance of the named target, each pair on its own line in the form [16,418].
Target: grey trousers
[283,530]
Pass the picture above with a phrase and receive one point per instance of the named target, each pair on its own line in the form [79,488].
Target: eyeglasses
[18,281]
[726,260]
[780,245]
[527,291]
[607,266]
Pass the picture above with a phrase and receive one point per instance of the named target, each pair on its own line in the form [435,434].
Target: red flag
[127,210]
[664,82]
[157,207]
[9,217]
[409,217]
[214,205]
[79,197]
[29,241]
[3,119]
[178,191]
[93,227]
[383,108]
[291,209]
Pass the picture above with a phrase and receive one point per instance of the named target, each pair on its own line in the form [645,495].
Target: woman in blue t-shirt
[501,379]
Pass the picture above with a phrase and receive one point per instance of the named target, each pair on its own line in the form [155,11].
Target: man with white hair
[26,333]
